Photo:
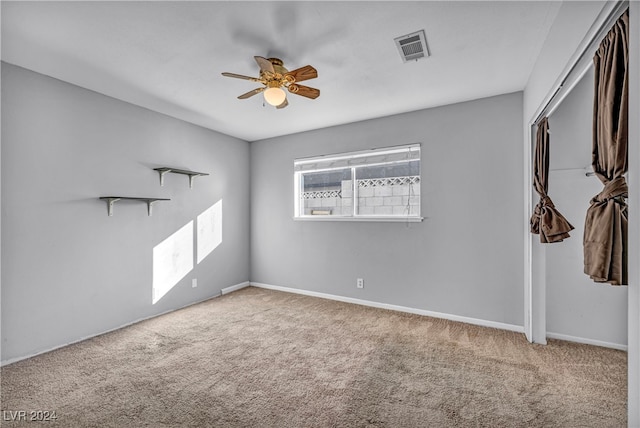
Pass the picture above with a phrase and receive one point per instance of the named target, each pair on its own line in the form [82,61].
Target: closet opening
[576,308]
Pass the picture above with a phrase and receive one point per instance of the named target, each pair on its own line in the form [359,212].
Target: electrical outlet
[194,282]
[360,283]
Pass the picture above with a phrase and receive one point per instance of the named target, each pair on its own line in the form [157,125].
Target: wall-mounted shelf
[192,174]
[112,199]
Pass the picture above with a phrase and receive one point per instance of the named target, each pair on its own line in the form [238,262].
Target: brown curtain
[605,232]
[546,220]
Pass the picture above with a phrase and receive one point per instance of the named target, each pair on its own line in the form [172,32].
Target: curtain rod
[612,16]
[570,88]
[586,170]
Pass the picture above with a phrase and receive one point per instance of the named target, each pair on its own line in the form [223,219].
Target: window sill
[396,219]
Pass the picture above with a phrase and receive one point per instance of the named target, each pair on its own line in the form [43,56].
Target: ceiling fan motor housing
[280,76]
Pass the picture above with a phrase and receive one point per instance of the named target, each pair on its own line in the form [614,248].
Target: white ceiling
[168,56]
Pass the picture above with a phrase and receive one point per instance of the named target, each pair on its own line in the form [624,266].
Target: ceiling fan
[275,77]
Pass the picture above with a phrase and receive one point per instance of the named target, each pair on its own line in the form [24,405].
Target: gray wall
[465,259]
[577,306]
[69,270]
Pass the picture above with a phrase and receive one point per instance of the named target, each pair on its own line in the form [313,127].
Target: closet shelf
[192,174]
[112,199]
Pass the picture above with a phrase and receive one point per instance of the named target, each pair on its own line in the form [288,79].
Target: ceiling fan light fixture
[275,96]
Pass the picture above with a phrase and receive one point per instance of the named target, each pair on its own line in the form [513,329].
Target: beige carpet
[259,358]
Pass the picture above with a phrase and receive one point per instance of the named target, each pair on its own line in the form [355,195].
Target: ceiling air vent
[412,46]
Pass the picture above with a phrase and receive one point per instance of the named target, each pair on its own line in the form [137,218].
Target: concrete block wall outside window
[377,199]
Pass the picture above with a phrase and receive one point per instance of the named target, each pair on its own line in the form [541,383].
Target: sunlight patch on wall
[209,230]
[172,260]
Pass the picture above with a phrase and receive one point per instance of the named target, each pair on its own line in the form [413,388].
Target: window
[377,184]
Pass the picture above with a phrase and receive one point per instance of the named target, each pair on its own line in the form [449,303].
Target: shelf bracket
[110,202]
[162,172]
[191,177]
[149,206]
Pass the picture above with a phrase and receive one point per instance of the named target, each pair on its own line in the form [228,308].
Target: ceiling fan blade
[303,73]
[265,65]
[251,93]
[305,91]
[284,104]
[240,76]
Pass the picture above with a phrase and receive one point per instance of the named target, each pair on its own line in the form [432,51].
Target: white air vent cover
[412,46]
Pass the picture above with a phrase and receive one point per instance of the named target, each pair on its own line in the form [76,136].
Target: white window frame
[355,160]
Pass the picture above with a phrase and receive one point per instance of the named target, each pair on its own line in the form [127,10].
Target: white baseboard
[16,359]
[235,287]
[474,321]
[586,341]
